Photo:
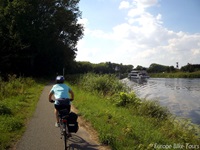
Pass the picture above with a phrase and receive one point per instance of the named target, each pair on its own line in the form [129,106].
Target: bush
[14,86]
[126,99]
[153,109]
[103,84]
[10,124]
[4,110]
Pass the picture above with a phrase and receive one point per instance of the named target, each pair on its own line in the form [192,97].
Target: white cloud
[195,52]
[124,5]
[145,3]
[134,12]
[141,40]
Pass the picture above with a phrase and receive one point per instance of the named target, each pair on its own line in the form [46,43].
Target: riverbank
[142,124]
[176,75]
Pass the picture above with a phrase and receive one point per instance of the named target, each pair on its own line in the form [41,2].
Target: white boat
[137,74]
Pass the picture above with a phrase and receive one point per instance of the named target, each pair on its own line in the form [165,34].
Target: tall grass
[14,86]
[124,121]
[177,75]
[18,98]
[103,84]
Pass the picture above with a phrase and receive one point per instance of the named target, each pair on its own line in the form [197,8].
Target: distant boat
[138,74]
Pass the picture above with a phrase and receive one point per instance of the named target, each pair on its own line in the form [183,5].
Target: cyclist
[62,93]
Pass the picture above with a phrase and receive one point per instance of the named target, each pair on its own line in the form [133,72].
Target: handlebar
[52,101]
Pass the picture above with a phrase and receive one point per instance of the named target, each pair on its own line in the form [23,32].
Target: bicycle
[63,115]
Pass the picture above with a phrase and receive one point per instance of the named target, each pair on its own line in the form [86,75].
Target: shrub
[126,99]
[103,84]
[153,109]
[14,86]
[4,110]
[9,123]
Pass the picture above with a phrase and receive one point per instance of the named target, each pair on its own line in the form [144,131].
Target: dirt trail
[41,133]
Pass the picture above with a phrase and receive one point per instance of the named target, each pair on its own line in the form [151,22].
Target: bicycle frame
[64,129]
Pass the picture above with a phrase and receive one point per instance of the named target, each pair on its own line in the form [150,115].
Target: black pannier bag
[72,122]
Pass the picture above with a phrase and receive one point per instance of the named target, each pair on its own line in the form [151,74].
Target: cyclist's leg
[69,107]
[56,113]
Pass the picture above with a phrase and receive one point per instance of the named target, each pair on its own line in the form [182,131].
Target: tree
[157,68]
[38,36]
[190,67]
[140,68]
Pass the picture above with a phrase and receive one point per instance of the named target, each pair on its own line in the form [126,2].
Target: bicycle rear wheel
[65,135]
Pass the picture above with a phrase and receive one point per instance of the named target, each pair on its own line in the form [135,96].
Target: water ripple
[181,96]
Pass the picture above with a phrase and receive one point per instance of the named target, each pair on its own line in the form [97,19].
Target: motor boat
[138,74]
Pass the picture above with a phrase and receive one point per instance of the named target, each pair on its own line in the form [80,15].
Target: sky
[140,32]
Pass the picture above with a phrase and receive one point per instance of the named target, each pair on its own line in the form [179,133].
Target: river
[180,95]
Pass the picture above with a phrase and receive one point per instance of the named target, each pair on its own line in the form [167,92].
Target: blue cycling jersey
[60,91]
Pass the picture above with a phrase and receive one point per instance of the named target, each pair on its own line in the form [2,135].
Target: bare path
[41,134]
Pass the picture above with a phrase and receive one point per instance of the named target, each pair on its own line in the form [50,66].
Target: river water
[181,96]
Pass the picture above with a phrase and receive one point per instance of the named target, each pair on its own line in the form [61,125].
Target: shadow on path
[78,143]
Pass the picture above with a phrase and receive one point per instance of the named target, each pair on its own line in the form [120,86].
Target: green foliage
[154,110]
[157,68]
[108,139]
[14,86]
[4,110]
[36,36]
[108,85]
[141,107]
[10,124]
[191,68]
[123,121]
[177,75]
[18,98]
[102,68]
[127,99]
[130,127]
[103,84]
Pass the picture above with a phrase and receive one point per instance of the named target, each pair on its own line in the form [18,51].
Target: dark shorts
[61,104]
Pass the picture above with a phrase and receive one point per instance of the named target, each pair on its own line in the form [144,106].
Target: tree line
[81,67]
[158,68]
[191,68]
[113,68]
[38,37]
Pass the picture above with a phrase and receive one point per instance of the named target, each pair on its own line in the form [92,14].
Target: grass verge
[18,99]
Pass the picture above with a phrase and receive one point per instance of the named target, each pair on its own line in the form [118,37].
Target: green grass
[125,122]
[176,75]
[18,100]
[122,120]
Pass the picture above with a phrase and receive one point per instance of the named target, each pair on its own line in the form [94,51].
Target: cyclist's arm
[50,96]
[72,94]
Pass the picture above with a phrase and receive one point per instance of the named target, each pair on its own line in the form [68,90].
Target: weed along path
[41,134]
